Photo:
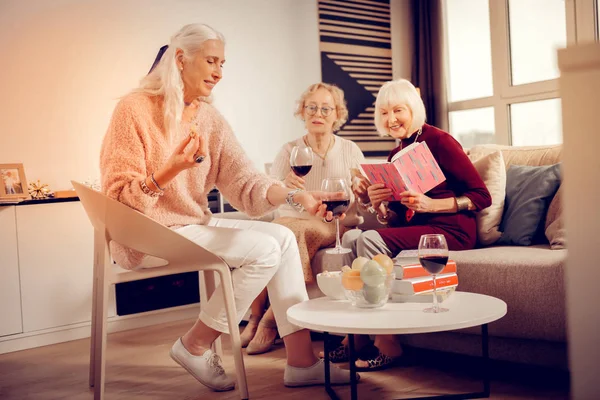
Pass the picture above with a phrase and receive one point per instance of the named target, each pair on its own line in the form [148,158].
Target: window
[472,127]
[537,29]
[502,66]
[469,50]
[536,123]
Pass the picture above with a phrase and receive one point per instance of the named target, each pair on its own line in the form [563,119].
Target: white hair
[165,79]
[397,92]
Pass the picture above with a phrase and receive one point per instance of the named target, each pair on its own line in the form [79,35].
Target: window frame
[581,26]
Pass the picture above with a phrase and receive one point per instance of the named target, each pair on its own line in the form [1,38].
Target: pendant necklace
[415,140]
[331,142]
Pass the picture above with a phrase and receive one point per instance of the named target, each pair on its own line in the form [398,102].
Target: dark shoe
[379,362]
[337,355]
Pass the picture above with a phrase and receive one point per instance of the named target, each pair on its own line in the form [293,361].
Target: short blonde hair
[397,92]
[338,99]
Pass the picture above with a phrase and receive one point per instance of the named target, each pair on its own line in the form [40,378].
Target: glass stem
[435,300]
[337,233]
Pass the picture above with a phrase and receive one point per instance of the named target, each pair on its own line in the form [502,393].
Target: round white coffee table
[339,316]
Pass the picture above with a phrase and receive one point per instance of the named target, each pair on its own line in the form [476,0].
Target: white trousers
[259,254]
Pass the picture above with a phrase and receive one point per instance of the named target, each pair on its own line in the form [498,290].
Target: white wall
[65,63]
[402,38]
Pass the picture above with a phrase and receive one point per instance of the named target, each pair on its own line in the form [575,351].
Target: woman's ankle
[360,341]
[194,346]
[388,346]
[254,319]
[302,362]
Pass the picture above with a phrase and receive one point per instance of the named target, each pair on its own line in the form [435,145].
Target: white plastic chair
[113,220]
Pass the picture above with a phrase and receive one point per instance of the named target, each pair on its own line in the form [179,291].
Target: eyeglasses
[312,110]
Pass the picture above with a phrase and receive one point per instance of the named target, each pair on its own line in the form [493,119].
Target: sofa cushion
[529,279]
[554,228]
[492,171]
[529,191]
[521,155]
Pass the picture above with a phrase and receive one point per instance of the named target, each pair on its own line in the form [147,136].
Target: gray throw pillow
[529,191]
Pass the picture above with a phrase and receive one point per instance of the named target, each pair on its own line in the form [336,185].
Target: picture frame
[13,183]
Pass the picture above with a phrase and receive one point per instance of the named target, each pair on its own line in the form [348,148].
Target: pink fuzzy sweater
[135,145]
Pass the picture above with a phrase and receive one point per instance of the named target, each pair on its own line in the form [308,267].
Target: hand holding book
[417,202]
[379,193]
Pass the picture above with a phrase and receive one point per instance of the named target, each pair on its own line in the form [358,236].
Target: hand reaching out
[313,204]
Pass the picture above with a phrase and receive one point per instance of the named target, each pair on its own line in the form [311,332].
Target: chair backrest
[136,231]
[268,166]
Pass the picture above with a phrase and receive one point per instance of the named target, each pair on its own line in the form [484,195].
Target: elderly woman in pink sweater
[165,149]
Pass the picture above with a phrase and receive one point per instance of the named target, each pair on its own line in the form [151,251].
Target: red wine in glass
[301,160]
[433,256]
[337,201]
[433,264]
[337,207]
[301,170]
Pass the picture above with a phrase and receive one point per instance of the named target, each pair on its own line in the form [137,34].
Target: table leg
[352,361]
[486,360]
[486,376]
[328,388]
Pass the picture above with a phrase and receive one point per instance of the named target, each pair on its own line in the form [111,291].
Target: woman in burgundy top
[448,209]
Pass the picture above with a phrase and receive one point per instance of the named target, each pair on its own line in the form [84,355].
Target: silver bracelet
[155,183]
[289,199]
[149,191]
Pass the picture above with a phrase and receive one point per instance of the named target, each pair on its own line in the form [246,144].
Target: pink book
[412,168]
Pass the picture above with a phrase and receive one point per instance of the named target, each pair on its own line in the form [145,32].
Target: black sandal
[339,354]
[380,362]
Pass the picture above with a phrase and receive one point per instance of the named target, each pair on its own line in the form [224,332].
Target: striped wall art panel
[356,55]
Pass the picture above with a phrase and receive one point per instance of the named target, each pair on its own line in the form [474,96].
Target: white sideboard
[46,253]
[10,293]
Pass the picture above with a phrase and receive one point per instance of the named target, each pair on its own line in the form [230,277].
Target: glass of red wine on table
[337,200]
[433,256]
[301,160]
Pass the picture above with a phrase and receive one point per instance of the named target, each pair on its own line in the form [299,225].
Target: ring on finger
[411,200]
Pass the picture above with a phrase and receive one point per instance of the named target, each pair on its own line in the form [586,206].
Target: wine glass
[433,256]
[301,160]
[337,200]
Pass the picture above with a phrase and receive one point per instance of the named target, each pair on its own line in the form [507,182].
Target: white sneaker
[315,375]
[207,368]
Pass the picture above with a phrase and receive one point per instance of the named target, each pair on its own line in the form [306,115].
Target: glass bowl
[365,296]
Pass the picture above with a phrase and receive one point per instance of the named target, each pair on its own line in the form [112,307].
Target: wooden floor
[138,367]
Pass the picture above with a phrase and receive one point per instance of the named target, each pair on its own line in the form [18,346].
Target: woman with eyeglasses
[323,109]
